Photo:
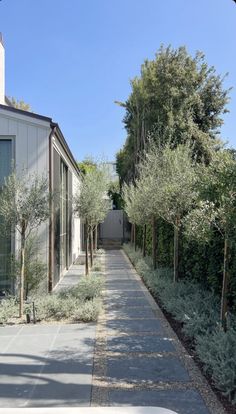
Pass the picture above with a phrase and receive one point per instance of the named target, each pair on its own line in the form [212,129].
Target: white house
[35,143]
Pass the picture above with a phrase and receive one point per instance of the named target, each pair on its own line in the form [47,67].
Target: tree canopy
[176,98]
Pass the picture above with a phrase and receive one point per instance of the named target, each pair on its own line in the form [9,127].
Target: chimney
[2,71]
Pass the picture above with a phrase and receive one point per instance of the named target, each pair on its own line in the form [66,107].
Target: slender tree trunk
[135,238]
[154,243]
[144,239]
[96,238]
[22,271]
[91,246]
[224,293]
[86,248]
[176,250]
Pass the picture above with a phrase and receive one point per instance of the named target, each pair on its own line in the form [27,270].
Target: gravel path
[139,360]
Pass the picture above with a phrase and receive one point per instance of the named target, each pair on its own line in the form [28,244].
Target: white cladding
[30,138]
[2,72]
[30,147]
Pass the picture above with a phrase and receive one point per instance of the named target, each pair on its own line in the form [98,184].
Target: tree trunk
[144,239]
[22,270]
[86,249]
[176,250]
[135,238]
[224,293]
[96,238]
[154,243]
[91,246]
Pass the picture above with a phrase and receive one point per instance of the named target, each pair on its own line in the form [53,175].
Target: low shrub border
[196,311]
[81,303]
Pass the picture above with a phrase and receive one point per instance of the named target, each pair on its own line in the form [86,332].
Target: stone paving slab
[46,365]
[132,285]
[130,313]
[124,301]
[181,401]
[139,360]
[117,294]
[145,369]
[134,325]
[139,343]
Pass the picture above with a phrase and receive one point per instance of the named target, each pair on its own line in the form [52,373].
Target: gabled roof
[26,113]
[53,125]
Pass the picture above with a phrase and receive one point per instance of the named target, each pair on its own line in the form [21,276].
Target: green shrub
[198,309]
[89,287]
[80,303]
[8,309]
[88,312]
[218,352]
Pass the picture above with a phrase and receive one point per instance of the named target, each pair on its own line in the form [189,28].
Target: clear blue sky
[70,59]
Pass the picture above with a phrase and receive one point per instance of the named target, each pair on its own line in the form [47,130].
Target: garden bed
[193,313]
[80,303]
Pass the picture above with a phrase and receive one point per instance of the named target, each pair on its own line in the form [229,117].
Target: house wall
[76,236]
[30,139]
[30,150]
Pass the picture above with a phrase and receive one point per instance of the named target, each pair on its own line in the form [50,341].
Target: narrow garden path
[139,360]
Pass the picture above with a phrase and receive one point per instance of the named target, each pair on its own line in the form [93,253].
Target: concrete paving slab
[145,369]
[130,313]
[181,401]
[144,343]
[88,410]
[133,285]
[5,342]
[47,365]
[9,330]
[124,301]
[39,329]
[134,325]
[126,294]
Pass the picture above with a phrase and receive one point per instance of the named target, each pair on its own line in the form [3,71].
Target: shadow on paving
[56,370]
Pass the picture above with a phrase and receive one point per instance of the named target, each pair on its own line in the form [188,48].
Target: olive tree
[169,180]
[216,209]
[24,206]
[139,201]
[92,204]
[177,191]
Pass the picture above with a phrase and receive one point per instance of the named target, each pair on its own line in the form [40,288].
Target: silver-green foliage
[24,199]
[198,310]
[8,309]
[91,201]
[80,303]
[217,350]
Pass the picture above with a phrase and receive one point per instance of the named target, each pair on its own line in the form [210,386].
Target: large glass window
[5,242]
[62,187]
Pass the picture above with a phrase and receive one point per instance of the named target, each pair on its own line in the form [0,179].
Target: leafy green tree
[177,98]
[166,189]
[35,268]
[87,165]
[92,204]
[216,209]
[24,206]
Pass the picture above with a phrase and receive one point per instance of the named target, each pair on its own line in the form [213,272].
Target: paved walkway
[46,365]
[131,358]
[138,359]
